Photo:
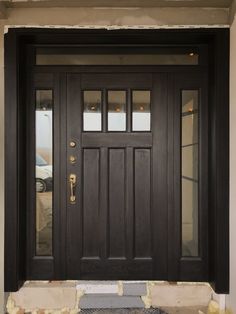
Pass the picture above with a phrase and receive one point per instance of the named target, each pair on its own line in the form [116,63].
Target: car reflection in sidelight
[43,175]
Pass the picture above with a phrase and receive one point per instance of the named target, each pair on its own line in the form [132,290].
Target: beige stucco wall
[121,17]
[100,17]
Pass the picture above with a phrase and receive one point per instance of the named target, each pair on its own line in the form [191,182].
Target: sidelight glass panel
[116,110]
[189,217]
[92,116]
[141,116]
[190,161]
[190,173]
[44,171]
[189,127]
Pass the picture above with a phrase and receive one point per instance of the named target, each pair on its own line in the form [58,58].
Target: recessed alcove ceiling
[192,12]
[120,3]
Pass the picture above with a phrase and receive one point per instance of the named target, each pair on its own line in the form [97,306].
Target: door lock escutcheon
[72,159]
[72,181]
[72,143]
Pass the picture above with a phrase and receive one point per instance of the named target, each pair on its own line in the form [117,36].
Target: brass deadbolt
[72,159]
[72,144]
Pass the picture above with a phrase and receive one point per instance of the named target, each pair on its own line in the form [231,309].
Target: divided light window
[113,104]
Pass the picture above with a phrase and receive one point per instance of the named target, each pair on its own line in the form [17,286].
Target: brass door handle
[72,181]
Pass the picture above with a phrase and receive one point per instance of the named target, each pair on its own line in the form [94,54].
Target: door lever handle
[72,182]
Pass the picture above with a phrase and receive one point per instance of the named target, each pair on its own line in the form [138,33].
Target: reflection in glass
[141,117]
[44,171]
[189,217]
[189,127]
[116,110]
[189,100]
[190,173]
[190,161]
[92,117]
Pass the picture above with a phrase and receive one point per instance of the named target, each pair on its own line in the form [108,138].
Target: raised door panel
[116,204]
[91,203]
[142,203]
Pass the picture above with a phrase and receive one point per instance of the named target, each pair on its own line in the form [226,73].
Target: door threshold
[122,311]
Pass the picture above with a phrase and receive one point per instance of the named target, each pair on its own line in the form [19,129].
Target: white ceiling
[118,3]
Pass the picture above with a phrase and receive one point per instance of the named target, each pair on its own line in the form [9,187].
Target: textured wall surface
[121,17]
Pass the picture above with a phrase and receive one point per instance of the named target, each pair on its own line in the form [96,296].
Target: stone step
[98,287]
[112,301]
[134,288]
[128,288]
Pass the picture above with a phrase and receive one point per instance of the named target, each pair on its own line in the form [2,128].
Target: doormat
[122,311]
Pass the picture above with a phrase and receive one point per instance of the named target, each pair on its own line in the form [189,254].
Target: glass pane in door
[116,110]
[44,171]
[141,116]
[190,173]
[92,116]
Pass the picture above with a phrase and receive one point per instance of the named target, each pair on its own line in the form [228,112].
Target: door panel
[117,201]
[142,202]
[91,169]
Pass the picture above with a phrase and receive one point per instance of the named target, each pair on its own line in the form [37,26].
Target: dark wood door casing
[215,254]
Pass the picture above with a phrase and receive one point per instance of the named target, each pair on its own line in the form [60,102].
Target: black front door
[121,173]
[117,165]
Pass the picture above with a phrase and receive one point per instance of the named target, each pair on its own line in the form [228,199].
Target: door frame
[16,67]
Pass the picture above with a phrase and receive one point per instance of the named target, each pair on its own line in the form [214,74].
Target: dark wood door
[117,149]
[136,142]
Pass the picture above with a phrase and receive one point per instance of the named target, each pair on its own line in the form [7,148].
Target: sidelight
[44,171]
[190,173]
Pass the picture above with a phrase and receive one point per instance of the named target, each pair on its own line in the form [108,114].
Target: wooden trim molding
[17,42]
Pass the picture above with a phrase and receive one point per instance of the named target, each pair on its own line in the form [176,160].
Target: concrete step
[128,288]
[98,287]
[112,301]
[134,288]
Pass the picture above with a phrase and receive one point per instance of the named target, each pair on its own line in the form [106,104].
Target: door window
[92,116]
[190,173]
[116,110]
[141,115]
[44,171]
